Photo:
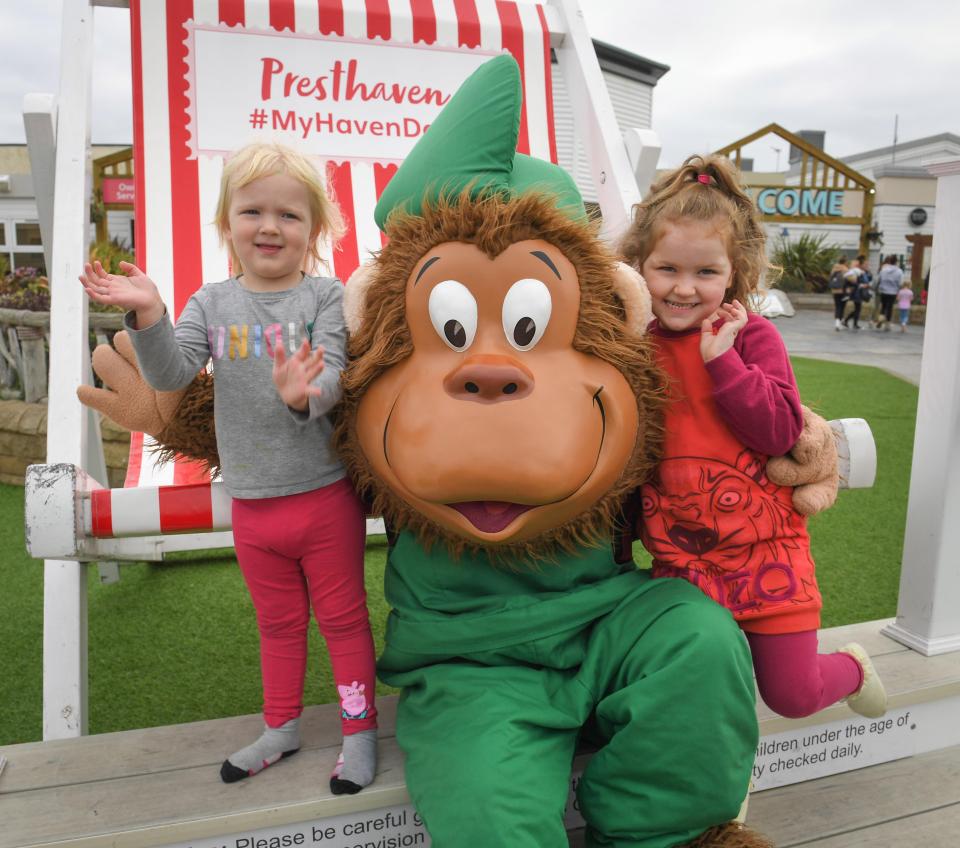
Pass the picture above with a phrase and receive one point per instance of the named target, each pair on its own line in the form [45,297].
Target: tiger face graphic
[726,529]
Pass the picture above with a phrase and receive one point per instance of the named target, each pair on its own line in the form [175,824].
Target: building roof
[622,62]
[888,170]
[616,60]
[905,145]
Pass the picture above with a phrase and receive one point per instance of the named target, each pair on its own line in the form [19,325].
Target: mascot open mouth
[490,516]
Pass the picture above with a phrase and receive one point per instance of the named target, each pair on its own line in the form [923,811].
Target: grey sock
[357,764]
[273,744]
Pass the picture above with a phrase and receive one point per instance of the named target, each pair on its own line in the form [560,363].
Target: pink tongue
[490,516]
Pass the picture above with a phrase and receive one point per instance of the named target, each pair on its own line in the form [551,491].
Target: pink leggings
[794,680]
[299,550]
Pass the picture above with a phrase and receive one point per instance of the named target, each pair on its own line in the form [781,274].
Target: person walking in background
[837,283]
[867,286]
[904,299]
[857,289]
[889,281]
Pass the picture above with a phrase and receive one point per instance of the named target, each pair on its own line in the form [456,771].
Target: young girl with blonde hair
[710,515]
[276,338]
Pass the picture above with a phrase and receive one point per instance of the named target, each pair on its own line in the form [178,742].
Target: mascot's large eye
[526,313]
[453,312]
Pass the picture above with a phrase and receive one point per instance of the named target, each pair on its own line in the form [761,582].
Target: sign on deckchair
[353,84]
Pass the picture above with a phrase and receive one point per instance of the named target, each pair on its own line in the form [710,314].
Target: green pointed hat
[473,143]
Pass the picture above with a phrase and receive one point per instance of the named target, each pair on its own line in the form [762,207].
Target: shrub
[805,263]
[111,252]
[25,288]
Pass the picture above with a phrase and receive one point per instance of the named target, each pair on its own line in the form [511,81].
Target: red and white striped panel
[151,510]
[176,195]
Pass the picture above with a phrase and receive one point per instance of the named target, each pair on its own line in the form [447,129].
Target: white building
[904,202]
[906,195]
[630,82]
[20,243]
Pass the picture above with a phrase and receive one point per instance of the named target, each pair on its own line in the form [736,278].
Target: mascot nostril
[489,382]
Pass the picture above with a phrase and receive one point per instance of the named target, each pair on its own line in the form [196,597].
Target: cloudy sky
[844,67]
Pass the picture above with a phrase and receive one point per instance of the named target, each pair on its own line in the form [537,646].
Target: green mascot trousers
[502,668]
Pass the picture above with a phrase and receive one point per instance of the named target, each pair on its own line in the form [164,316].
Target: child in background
[710,515]
[276,337]
[904,299]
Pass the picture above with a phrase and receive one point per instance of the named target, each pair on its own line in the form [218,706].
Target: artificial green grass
[858,543]
[171,642]
[177,641]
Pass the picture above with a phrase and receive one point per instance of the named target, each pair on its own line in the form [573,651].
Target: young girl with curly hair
[710,515]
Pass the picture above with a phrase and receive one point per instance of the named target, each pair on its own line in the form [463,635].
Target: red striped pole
[151,510]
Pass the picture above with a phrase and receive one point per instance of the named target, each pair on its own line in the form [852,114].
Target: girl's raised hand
[293,376]
[713,344]
[131,290]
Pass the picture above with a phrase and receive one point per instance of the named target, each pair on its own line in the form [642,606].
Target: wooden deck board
[936,829]
[866,633]
[192,802]
[107,756]
[156,786]
[880,806]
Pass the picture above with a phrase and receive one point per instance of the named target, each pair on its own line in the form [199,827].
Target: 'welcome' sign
[807,201]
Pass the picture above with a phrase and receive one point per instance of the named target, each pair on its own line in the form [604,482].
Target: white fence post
[40,123]
[643,151]
[928,611]
[65,583]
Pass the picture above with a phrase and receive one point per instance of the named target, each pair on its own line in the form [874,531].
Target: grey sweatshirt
[889,279]
[266,448]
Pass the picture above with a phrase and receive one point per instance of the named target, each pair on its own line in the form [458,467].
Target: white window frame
[9,245]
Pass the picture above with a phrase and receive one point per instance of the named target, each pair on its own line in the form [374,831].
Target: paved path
[810,333]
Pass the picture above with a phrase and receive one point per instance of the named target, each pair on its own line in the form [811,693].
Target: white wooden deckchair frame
[59,135]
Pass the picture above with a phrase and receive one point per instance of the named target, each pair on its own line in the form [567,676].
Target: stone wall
[23,442]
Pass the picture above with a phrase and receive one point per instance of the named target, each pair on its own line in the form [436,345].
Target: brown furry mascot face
[495,395]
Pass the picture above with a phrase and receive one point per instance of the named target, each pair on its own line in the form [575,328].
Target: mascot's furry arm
[181,421]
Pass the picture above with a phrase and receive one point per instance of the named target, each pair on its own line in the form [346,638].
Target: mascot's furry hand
[129,401]
[811,467]
[181,421]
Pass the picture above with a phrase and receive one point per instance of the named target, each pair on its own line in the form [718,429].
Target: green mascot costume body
[495,697]
[496,434]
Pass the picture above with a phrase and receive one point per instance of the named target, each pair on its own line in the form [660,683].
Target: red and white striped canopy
[178,181]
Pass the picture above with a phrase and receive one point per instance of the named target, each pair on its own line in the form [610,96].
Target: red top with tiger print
[711,516]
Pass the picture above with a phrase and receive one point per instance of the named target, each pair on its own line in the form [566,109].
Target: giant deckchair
[209,76]
[929,615]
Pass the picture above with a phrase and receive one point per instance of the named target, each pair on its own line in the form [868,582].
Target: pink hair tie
[703,178]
